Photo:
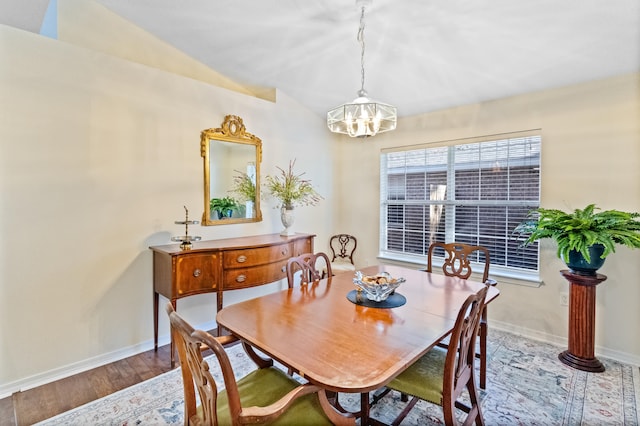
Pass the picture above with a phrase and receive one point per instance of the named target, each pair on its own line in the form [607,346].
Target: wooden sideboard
[221,265]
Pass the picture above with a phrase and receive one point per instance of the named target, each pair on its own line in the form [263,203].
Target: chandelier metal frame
[363,117]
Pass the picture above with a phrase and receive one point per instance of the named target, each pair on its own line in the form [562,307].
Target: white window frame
[518,274]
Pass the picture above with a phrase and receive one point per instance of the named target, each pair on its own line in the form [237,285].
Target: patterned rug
[526,385]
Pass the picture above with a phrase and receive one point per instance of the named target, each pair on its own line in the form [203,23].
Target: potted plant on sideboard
[585,237]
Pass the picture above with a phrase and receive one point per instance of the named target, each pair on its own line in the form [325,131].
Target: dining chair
[342,248]
[442,375]
[265,395]
[312,267]
[457,263]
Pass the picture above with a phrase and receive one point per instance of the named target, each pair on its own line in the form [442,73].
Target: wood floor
[34,405]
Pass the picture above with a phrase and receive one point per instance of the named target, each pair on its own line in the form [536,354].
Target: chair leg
[476,411]
[448,411]
[483,354]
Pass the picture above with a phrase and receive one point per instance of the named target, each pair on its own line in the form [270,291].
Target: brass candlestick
[186,239]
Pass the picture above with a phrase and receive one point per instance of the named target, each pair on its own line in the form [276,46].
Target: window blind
[472,192]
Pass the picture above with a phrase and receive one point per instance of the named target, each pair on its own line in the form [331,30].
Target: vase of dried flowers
[290,189]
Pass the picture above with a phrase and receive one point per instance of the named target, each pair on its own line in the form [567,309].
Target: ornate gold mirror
[231,157]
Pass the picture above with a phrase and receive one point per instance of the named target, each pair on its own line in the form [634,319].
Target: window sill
[500,274]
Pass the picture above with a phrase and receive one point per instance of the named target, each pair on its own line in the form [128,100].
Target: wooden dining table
[347,347]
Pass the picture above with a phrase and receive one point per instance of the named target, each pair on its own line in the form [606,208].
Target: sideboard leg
[174,303]
[218,309]
[156,301]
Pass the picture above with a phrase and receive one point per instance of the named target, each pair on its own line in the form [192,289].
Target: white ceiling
[421,55]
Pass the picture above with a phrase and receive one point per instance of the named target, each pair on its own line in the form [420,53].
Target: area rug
[526,385]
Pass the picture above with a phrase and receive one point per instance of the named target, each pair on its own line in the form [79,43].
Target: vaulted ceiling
[421,55]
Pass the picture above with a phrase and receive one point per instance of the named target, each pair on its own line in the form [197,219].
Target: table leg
[364,409]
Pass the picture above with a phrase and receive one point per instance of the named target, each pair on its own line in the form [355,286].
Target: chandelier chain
[361,41]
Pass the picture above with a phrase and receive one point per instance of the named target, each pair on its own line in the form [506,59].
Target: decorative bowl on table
[377,287]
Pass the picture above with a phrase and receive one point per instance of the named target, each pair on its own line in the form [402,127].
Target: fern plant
[582,228]
[224,206]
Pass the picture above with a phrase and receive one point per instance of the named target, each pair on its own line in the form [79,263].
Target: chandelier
[363,117]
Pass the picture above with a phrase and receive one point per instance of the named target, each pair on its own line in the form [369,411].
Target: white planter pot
[287,217]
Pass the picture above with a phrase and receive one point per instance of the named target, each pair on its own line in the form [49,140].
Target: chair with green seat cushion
[262,387]
[441,375]
[458,258]
[266,395]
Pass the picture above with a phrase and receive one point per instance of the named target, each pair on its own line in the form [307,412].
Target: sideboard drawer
[248,277]
[196,273]
[245,258]
[302,246]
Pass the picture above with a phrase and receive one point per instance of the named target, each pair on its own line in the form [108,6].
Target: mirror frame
[234,131]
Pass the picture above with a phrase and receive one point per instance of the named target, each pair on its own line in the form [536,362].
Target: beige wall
[590,154]
[98,155]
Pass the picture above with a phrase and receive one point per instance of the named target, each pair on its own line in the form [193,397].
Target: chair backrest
[195,370]
[342,247]
[458,258]
[310,269]
[459,373]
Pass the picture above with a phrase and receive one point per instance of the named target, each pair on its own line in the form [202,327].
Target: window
[474,193]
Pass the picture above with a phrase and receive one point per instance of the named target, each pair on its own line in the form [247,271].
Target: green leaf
[580,229]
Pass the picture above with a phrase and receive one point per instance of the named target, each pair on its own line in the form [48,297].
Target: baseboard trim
[623,357]
[7,389]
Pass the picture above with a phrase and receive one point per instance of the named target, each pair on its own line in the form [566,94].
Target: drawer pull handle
[284,251]
[242,259]
[241,278]
[284,269]
[196,272]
